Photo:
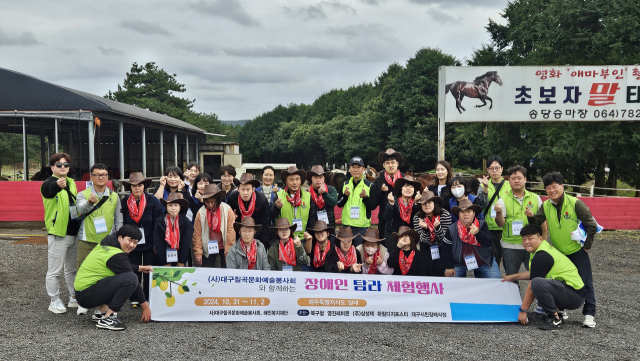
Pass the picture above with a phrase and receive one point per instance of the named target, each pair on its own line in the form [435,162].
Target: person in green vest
[58,196]
[562,213]
[555,281]
[293,202]
[357,199]
[494,187]
[99,209]
[107,279]
[510,215]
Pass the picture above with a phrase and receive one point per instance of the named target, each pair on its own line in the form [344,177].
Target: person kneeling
[374,254]
[343,257]
[106,279]
[555,281]
[248,253]
[285,253]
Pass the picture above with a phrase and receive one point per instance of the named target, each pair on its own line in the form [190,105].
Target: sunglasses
[62,165]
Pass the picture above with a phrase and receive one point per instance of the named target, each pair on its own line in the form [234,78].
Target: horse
[479,88]
[371,174]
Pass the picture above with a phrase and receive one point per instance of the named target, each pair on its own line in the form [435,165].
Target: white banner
[540,93]
[215,294]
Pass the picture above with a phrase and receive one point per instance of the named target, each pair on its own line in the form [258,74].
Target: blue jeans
[483,271]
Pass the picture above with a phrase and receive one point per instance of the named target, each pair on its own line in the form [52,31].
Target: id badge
[172,255]
[355,213]
[471,262]
[322,216]
[287,268]
[516,227]
[189,215]
[493,212]
[435,252]
[212,246]
[73,212]
[298,224]
[100,224]
[141,241]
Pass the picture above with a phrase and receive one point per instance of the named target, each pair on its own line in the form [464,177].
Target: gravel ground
[29,331]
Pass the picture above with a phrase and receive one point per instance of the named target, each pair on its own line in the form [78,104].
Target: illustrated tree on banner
[169,278]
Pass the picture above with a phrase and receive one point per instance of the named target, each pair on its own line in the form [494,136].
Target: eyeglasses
[100,176]
[494,168]
[63,165]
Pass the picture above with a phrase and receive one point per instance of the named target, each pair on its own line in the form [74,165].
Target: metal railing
[592,189]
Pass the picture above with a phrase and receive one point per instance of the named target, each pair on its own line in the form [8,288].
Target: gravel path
[29,331]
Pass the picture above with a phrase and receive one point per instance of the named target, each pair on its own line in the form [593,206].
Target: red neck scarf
[405,210]
[213,219]
[390,181]
[252,206]
[405,262]
[317,198]
[320,256]
[252,252]
[296,201]
[373,267]
[432,228]
[287,252]
[135,210]
[465,235]
[172,233]
[349,259]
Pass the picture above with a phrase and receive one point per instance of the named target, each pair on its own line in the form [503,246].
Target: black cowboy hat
[464,205]
[247,222]
[317,170]
[321,226]
[407,179]
[212,190]
[405,231]
[136,178]
[371,235]
[175,197]
[291,171]
[247,178]
[429,196]
[390,153]
[282,223]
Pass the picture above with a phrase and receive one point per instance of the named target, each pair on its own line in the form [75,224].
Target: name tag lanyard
[517,222]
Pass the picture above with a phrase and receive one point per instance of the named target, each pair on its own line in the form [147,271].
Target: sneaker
[563,314]
[539,311]
[57,306]
[97,316]
[551,323]
[111,323]
[82,310]
[589,321]
[73,303]
[135,304]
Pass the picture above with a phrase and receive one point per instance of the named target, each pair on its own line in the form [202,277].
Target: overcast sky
[237,58]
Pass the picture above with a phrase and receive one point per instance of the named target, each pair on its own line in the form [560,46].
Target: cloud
[317,11]
[371,2]
[458,3]
[145,27]
[197,47]
[109,51]
[234,72]
[441,17]
[226,9]
[283,51]
[25,39]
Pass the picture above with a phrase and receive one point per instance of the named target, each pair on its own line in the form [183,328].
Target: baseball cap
[356,160]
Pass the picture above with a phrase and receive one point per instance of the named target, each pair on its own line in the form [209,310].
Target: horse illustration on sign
[479,88]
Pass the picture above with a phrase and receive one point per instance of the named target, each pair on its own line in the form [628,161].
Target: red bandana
[320,256]
[135,210]
[405,210]
[465,235]
[349,259]
[317,198]
[251,253]
[391,182]
[213,219]
[405,262]
[296,201]
[252,206]
[373,267]
[172,233]
[287,252]
[432,228]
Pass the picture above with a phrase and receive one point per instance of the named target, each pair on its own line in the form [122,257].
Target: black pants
[582,262]
[143,258]
[435,268]
[496,247]
[210,262]
[112,291]
[553,295]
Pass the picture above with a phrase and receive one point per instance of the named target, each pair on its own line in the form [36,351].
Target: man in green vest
[510,215]
[555,281]
[495,187]
[294,203]
[99,210]
[357,199]
[59,199]
[562,213]
[106,279]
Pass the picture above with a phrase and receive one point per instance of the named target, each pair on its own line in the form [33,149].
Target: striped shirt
[441,230]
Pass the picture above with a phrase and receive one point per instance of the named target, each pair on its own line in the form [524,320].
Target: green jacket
[94,268]
[516,210]
[287,211]
[354,200]
[563,269]
[560,231]
[56,209]
[273,255]
[109,210]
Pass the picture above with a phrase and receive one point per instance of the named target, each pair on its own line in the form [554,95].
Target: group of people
[443,230]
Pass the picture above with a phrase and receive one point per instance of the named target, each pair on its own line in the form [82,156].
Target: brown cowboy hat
[405,231]
[175,197]
[247,222]
[372,235]
[321,226]
[317,170]
[390,153]
[136,178]
[345,233]
[282,223]
[464,205]
[291,171]
[212,190]
[397,188]
[429,196]
[247,178]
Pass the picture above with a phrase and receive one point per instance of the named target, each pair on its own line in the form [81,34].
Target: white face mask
[457,192]
[371,250]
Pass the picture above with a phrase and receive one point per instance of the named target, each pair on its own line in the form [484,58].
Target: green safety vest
[94,268]
[515,210]
[354,200]
[287,211]
[563,269]
[560,232]
[506,188]
[56,210]
[107,211]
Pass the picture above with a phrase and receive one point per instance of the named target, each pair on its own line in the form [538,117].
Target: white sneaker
[73,303]
[82,310]
[57,306]
[589,321]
